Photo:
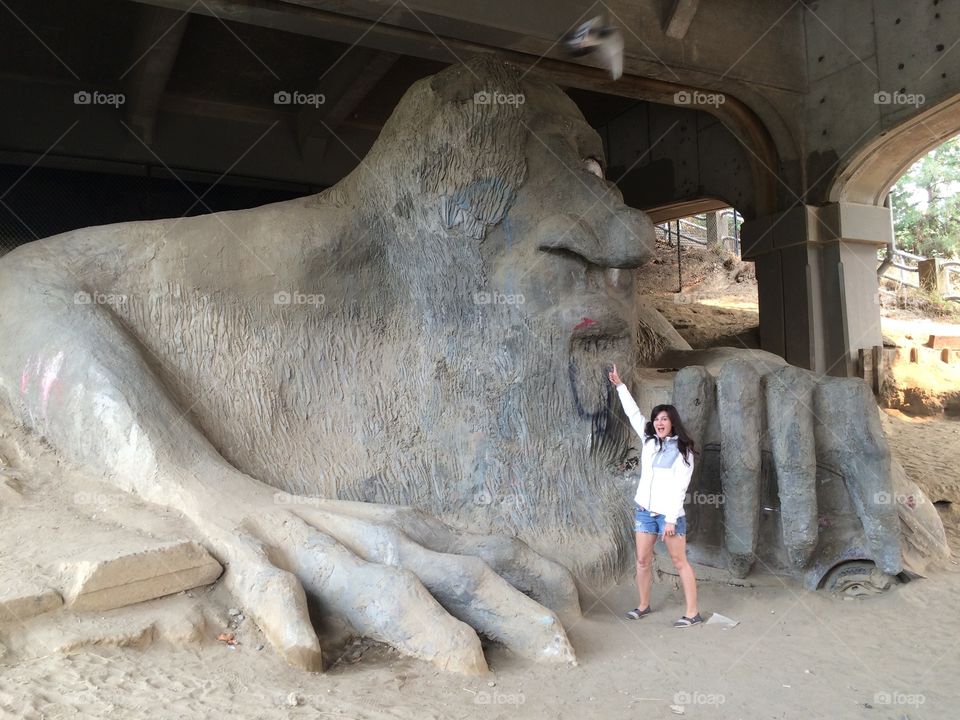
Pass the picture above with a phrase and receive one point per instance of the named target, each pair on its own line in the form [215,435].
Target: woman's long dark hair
[684,443]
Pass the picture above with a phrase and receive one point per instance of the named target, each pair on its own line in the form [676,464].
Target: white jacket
[664,476]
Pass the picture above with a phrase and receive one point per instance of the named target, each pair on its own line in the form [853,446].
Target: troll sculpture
[420,351]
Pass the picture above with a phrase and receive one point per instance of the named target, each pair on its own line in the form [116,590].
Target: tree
[926,203]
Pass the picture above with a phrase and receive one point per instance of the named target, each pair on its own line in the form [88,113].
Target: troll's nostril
[618,279]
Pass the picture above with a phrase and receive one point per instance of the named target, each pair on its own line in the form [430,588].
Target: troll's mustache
[589,362]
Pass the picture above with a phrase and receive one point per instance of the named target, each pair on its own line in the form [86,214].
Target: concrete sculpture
[328,386]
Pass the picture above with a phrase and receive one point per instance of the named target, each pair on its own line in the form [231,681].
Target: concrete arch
[872,171]
[685,208]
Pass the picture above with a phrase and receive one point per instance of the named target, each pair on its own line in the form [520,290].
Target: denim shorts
[645,521]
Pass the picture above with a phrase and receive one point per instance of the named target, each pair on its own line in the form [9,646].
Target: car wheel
[857,578]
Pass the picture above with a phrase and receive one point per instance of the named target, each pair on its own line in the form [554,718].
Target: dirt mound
[709,296]
[920,382]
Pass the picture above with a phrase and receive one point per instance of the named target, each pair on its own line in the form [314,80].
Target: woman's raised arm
[636,418]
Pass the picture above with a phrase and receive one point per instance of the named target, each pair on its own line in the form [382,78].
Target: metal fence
[693,229]
[903,267]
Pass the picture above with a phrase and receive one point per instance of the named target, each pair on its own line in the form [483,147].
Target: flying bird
[598,36]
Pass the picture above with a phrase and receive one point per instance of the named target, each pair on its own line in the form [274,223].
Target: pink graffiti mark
[31,370]
[586,322]
[49,379]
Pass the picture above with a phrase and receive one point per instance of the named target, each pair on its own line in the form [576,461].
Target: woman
[666,464]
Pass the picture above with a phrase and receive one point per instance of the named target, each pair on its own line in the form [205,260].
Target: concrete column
[817,280]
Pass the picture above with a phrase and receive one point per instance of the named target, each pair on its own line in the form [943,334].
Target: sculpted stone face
[526,306]
[514,257]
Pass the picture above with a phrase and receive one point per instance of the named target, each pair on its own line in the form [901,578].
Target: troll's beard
[528,429]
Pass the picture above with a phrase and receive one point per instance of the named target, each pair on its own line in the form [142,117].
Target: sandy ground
[794,654]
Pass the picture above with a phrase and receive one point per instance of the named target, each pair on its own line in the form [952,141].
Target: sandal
[685,621]
[637,613]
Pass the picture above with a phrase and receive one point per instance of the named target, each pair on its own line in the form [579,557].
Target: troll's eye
[592,165]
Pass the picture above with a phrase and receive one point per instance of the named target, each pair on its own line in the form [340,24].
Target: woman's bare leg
[677,547]
[645,543]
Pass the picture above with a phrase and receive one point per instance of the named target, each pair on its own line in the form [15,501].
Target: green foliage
[926,203]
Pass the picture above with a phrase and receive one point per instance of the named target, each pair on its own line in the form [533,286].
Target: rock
[293,700]
[69,634]
[17,603]
[184,628]
[130,577]
[11,489]
[233,612]
[724,621]
[172,619]
[920,402]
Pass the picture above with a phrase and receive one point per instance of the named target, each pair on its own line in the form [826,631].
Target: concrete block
[941,342]
[853,223]
[17,603]
[133,575]
[177,620]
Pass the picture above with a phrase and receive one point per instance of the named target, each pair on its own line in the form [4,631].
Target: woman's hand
[669,529]
[614,376]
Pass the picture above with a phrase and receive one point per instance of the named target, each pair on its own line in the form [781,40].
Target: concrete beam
[870,173]
[674,211]
[742,121]
[159,37]
[202,107]
[679,18]
[344,87]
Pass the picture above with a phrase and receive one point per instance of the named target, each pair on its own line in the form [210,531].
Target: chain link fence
[39,202]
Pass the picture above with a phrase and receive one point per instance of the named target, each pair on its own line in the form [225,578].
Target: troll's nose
[618,238]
